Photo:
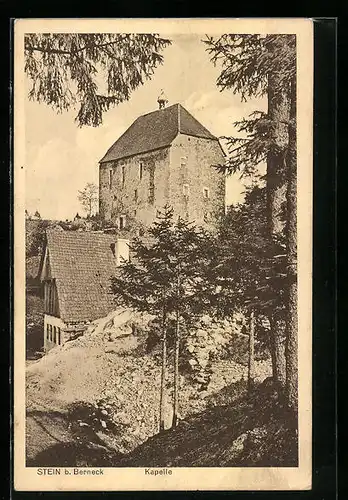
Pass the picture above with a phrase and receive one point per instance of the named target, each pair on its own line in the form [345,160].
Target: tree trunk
[176,370]
[278,113]
[163,372]
[276,348]
[251,357]
[291,346]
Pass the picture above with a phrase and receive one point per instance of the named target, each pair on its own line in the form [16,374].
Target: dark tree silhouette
[94,70]
[265,65]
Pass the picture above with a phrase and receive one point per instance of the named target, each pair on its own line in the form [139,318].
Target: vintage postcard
[162,237]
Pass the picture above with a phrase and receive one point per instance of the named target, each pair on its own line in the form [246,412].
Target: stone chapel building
[164,157]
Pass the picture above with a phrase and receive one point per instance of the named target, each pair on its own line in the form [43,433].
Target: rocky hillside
[100,393]
[253,431]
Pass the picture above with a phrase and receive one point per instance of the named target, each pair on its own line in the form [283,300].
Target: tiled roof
[156,130]
[82,264]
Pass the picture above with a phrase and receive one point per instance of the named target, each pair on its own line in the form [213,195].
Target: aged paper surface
[53,159]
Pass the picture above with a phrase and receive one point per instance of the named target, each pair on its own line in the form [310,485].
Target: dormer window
[186,189]
[141,166]
[206,193]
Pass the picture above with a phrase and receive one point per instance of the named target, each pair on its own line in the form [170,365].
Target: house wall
[54,326]
[51,323]
[191,160]
[51,304]
[152,189]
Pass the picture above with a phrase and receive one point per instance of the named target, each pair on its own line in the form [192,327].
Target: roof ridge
[76,233]
[155,130]
[156,110]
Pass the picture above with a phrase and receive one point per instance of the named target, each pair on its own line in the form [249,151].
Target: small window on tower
[135,195]
[141,170]
[123,171]
[183,160]
[186,189]
[206,193]
[110,178]
[122,222]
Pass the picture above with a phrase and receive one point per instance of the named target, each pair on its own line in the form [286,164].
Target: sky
[61,157]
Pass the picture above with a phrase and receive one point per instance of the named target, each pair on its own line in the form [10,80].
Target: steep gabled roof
[154,131]
[82,264]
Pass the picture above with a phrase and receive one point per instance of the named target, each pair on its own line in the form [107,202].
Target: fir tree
[250,277]
[190,260]
[165,278]
[291,242]
[95,70]
[256,65]
[143,284]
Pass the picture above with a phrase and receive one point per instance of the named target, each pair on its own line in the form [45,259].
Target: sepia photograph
[157,209]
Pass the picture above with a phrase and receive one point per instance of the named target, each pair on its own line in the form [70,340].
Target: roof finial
[162,100]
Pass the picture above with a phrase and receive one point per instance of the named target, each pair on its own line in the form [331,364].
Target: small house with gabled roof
[165,157]
[75,272]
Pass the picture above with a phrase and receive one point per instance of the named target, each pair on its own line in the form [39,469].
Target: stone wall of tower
[181,175]
[140,193]
[192,177]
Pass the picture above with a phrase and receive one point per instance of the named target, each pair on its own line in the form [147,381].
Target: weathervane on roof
[162,100]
